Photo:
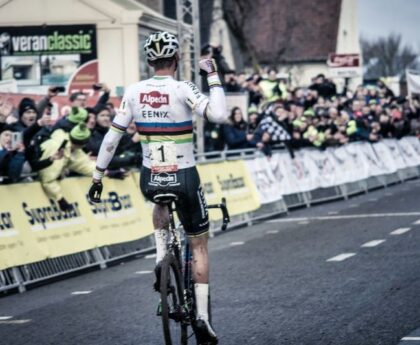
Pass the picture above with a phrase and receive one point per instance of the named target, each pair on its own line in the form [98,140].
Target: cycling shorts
[191,205]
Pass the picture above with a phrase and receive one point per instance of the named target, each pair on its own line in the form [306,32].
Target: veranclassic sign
[49,55]
[56,39]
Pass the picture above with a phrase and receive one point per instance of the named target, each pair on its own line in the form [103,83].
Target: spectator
[12,157]
[270,87]
[27,115]
[65,154]
[66,124]
[235,133]
[324,87]
[123,156]
[103,123]
[253,121]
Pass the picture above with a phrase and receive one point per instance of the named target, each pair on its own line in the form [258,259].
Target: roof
[285,30]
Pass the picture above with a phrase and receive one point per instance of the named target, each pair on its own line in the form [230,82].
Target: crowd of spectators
[32,143]
[314,116]
[277,115]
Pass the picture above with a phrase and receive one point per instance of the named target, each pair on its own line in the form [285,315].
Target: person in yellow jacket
[316,137]
[71,157]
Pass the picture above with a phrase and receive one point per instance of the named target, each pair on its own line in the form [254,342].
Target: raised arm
[212,108]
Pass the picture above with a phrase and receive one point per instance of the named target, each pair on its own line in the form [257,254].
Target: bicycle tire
[172,298]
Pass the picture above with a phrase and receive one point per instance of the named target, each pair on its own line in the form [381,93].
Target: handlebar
[225,212]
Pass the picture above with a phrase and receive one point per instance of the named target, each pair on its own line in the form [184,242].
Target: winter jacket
[235,137]
[75,161]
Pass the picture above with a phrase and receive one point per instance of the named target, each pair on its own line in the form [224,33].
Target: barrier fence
[39,242]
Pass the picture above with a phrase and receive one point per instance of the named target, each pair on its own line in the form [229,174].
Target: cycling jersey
[162,110]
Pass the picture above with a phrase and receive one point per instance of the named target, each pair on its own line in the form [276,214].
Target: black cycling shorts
[191,205]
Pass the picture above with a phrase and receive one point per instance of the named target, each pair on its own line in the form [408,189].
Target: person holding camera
[12,156]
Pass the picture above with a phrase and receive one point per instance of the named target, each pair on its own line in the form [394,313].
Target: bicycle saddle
[165,198]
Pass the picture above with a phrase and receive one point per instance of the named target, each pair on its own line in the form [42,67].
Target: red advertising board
[344,65]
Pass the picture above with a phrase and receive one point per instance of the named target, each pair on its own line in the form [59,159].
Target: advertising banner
[344,165]
[46,54]
[388,165]
[17,245]
[410,155]
[269,188]
[40,229]
[323,168]
[121,216]
[395,152]
[231,180]
[360,165]
[375,164]
[32,227]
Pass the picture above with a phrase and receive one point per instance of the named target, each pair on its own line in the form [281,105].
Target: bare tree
[386,56]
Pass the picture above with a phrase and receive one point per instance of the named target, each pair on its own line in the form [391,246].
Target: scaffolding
[188,19]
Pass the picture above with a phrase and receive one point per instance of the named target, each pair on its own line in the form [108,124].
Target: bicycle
[177,306]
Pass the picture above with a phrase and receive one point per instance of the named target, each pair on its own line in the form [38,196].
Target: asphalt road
[277,282]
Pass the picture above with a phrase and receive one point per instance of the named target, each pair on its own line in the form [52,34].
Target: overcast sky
[381,17]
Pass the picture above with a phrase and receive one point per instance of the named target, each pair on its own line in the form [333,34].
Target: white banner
[384,152]
[344,164]
[312,169]
[376,166]
[396,154]
[360,166]
[269,188]
[324,168]
[408,153]
[413,81]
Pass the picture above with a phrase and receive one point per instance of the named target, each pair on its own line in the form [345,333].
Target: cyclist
[162,109]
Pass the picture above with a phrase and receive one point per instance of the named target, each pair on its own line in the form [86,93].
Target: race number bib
[163,157]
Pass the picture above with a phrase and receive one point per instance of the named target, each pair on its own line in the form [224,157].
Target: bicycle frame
[183,291]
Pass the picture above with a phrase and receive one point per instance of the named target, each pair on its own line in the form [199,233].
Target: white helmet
[161,45]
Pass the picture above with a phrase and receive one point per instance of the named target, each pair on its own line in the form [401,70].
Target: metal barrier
[18,278]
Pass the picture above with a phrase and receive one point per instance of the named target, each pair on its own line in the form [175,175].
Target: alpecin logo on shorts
[163,180]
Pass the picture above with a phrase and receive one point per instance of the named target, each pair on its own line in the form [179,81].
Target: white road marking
[303,222]
[150,256]
[411,338]
[389,194]
[400,231]
[143,272]
[239,243]
[373,199]
[417,222]
[342,257]
[2,318]
[86,292]
[347,216]
[373,243]
[14,322]
[353,205]
[333,212]
[272,232]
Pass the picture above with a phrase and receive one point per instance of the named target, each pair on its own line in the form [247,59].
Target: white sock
[202,298]
[161,238]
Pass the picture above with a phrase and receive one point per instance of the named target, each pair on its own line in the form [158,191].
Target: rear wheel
[172,297]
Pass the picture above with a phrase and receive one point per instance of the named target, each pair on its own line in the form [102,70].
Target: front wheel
[172,297]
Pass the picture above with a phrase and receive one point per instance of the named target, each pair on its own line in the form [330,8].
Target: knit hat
[252,110]
[80,134]
[77,115]
[100,108]
[26,104]
[309,112]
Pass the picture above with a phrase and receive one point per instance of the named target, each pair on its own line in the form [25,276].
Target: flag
[413,81]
